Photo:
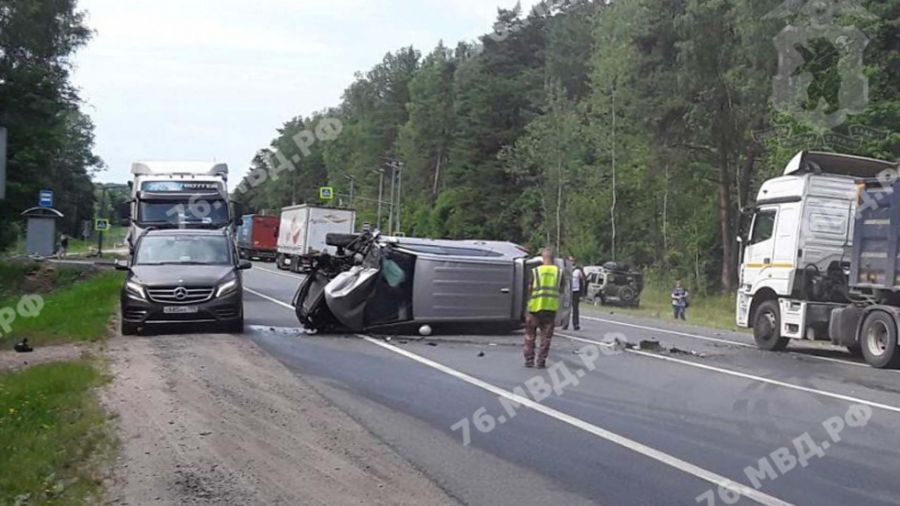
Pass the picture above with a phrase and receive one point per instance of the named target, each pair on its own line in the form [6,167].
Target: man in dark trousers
[579,286]
[543,303]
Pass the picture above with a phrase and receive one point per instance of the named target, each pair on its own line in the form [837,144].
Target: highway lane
[720,423]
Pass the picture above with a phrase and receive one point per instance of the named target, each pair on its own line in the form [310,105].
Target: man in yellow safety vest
[543,303]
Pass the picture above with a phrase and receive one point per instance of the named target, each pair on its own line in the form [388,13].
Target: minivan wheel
[767,327]
[879,340]
[129,329]
[236,327]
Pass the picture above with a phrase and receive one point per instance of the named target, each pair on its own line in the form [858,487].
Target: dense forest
[50,139]
[633,130]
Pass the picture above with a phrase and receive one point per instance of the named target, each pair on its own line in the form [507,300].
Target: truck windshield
[185,250]
[183,212]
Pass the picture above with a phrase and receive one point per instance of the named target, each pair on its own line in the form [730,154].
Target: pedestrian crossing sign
[101,225]
[326,193]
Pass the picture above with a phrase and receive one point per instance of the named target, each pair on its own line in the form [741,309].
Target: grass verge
[714,311]
[54,439]
[80,312]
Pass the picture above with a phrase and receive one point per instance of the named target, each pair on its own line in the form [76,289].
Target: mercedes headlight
[135,290]
[227,287]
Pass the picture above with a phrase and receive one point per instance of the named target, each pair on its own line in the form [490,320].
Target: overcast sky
[212,80]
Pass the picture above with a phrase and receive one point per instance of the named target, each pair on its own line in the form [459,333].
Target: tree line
[50,138]
[627,130]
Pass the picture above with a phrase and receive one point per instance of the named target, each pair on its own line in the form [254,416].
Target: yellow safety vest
[544,289]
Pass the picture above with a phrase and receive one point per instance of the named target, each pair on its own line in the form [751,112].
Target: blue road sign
[45,199]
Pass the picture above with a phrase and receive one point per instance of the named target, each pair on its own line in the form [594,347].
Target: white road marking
[632,445]
[716,340]
[270,299]
[673,332]
[832,395]
[270,271]
[761,379]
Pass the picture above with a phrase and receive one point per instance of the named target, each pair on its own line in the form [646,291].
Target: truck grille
[180,295]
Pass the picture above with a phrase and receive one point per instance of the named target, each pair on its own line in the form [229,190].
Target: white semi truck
[178,195]
[807,263]
[303,230]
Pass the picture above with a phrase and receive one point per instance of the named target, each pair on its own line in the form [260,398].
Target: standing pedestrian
[579,284]
[543,304]
[63,246]
[679,301]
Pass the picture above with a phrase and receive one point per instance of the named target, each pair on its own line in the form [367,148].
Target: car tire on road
[129,329]
[767,327]
[236,327]
[878,340]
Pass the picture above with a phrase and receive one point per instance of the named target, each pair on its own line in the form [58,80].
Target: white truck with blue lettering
[178,195]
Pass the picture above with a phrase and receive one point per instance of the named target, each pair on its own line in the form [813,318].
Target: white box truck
[303,231]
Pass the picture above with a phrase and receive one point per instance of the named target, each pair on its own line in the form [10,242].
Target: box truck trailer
[303,231]
[257,237]
[820,261]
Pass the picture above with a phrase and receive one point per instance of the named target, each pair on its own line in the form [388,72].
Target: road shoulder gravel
[212,419]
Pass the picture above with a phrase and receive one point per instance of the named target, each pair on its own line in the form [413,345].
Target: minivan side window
[763,226]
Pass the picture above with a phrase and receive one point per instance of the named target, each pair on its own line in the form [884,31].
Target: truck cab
[796,255]
[178,195]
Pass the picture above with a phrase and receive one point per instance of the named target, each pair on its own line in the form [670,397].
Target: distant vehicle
[408,285]
[820,261]
[302,234]
[178,195]
[257,237]
[615,284]
[183,277]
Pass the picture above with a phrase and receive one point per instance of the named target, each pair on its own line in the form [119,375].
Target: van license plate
[180,309]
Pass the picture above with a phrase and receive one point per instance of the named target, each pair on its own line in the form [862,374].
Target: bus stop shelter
[40,237]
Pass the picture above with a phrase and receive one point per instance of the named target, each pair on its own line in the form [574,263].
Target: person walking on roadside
[679,301]
[63,246]
[543,303]
[579,284]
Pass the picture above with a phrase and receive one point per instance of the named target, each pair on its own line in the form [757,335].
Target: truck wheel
[279,262]
[879,341]
[767,327]
[627,295]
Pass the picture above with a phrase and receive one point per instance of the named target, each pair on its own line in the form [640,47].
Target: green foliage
[646,114]
[66,317]
[50,139]
[53,436]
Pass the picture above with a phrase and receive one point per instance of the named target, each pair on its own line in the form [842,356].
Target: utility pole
[399,193]
[393,185]
[380,195]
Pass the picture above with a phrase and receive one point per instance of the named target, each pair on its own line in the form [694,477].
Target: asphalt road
[629,427]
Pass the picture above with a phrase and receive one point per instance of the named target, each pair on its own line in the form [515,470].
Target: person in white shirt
[579,286]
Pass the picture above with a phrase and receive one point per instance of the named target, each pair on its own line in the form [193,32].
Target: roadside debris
[480,354]
[431,343]
[678,351]
[650,345]
[23,346]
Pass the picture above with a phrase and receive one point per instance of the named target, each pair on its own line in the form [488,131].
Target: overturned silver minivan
[406,285]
